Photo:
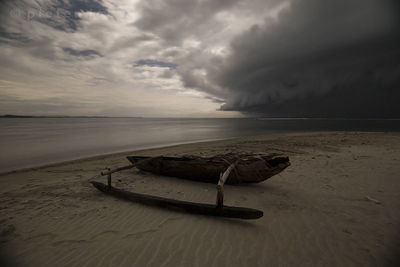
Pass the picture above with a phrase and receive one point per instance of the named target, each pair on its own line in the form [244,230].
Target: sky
[204,58]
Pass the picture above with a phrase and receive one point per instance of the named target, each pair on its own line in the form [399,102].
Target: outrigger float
[221,169]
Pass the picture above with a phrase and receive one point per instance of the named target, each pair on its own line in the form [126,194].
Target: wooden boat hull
[178,205]
[248,168]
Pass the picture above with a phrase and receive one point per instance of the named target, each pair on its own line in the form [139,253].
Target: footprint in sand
[7,231]
[69,241]
[104,233]
[139,234]
[44,235]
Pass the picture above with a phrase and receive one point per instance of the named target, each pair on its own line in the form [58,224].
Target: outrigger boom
[192,207]
[179,205]
[263,167]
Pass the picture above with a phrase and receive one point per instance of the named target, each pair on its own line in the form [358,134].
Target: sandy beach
[336,205]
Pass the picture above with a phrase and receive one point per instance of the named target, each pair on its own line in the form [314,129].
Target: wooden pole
[109,171]
[222,179]
[109,179]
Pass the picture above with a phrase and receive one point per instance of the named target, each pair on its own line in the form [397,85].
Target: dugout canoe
[248,168]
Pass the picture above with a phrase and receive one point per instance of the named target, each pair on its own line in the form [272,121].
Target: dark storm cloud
[320,58]
[214,99]
[82,53]
[155,63]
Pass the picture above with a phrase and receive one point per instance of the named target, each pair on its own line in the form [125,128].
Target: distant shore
[59,116]
[336,205]
[158,117]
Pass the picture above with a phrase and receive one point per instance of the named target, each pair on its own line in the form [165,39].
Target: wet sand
[338,204]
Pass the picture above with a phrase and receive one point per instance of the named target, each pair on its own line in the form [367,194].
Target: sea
[33,142]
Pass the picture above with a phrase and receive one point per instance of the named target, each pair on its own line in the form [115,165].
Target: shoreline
[99,156]
[140,150]
[337,181]
[34,144]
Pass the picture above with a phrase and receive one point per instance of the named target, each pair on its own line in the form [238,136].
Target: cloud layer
[320,58]
[191,58]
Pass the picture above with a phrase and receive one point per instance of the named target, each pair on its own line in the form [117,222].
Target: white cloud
[51,70]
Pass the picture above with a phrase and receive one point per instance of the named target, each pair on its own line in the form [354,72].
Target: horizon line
[155,117]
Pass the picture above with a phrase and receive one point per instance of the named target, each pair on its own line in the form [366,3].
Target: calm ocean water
[28,142]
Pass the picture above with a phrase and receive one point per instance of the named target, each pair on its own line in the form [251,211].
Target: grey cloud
[43,48]
[167,74]
[155,63]
[320,58]
[175,20]
[128,42]
[38,46]
[59,14]
[62,15]
[82,53]
[13,38]
[192,79]
[214,99]
[172,52]
[19,17]
[24,25]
